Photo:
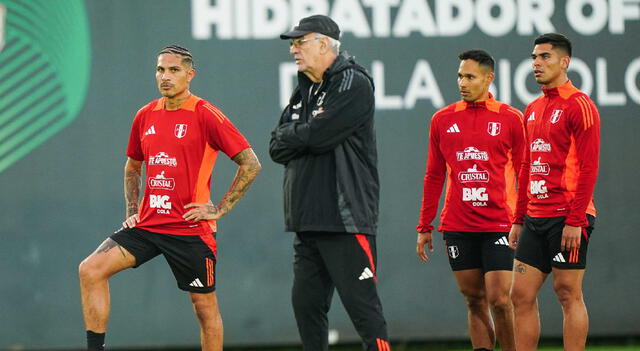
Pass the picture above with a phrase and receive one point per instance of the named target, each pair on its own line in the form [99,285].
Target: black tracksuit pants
[344,261]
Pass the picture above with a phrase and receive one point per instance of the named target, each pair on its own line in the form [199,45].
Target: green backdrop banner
[44,74]
[73,74]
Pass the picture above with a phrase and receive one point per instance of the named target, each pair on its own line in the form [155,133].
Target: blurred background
[73,74]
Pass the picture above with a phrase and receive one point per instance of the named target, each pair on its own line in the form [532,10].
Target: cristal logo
[471,153]
[162,159]
[473,175]
[539,145]
[160,182]
[540,168]
[161,203]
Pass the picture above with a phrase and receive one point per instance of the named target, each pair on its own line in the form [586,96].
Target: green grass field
[451,348]
[594,344]
[618,344]
[444,348]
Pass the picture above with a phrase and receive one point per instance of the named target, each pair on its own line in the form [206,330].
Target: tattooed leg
[108,245]
[527,281]
[94,273]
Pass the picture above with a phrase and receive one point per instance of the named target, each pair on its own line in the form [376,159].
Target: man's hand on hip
[131,221]
[203,212]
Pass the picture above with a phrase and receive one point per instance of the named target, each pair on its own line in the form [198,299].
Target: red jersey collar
[189,104]
[490,104]
[564,91]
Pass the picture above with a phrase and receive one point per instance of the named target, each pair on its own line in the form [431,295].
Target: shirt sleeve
[134,148]
[280,152]
[434,179]
[349,103]
[221,134]
[585,129]
[523,176]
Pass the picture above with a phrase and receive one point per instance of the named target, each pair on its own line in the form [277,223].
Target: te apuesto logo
[44,72]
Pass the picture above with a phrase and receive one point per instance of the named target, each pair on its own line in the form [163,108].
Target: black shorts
[472,250]
[539,244]
[191,257]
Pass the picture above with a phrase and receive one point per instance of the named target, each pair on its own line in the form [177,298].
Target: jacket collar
[490,104]
[189,104]
[564,91]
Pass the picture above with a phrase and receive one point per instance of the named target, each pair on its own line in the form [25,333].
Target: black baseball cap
[314,24]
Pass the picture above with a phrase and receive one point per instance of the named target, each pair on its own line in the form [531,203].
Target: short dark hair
[481,56]
[557,41]
[187,58]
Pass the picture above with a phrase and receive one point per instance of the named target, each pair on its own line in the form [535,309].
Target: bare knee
[206,309]
[476,299]
[500,302]
[522,297]
[568,295]
[90,270]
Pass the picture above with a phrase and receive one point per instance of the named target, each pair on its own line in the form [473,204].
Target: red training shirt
[477,145]
[561,166]
[179,149]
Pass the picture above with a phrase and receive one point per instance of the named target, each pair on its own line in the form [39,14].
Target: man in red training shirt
[556,193]
[178,137]
[476,143]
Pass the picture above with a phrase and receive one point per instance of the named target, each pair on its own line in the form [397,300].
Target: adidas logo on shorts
[559,258]
[366,274]
[502,241]
[197,283]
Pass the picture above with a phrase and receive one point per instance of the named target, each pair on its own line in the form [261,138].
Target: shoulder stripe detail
[347,79]
[516,112]
[584,113]
[587,115]
[217,113]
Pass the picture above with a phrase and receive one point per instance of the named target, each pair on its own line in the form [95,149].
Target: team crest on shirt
[493,128]
[555,116]
[321,98]
[453,251]
[180,130]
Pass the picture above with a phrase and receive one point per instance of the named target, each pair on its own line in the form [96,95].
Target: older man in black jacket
[326,140]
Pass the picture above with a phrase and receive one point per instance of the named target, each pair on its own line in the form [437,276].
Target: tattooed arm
[248,169]
[132,182]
